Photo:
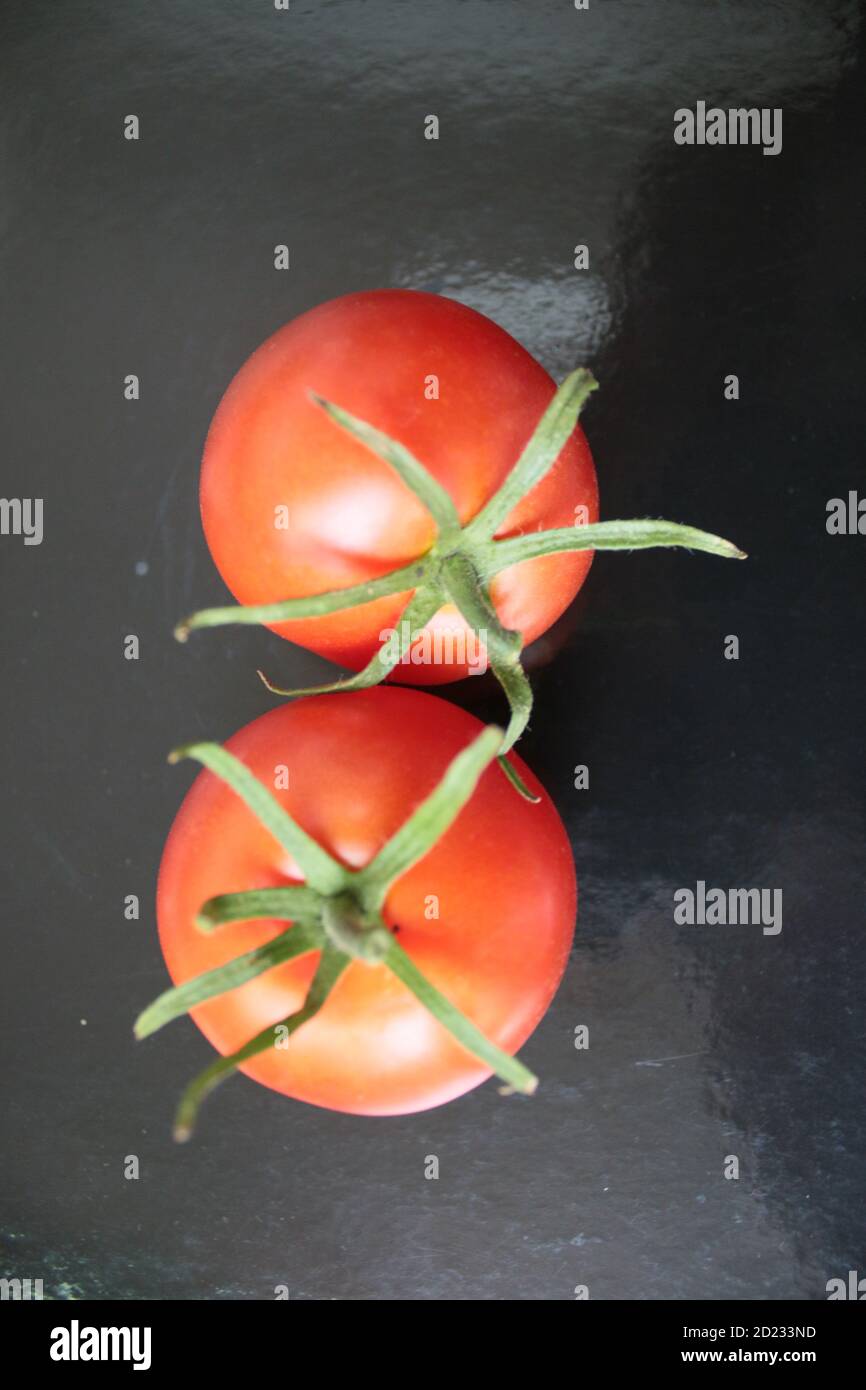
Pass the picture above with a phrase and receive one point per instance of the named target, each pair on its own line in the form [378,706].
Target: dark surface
[156,258]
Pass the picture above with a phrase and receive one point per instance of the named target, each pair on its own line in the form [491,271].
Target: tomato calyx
[337,912]
[464,558]
[361,935]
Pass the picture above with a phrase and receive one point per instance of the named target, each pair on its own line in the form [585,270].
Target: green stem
[429,492]
[512,678]
[602,535]
[372,674]
[470,594]
[516,780]
[538,457]
[464,586]
[397,581]
[289,904]
[351,931]
[331,966]
[428,823]
[513,1073]
[321,871]
[296,941]
[417,613]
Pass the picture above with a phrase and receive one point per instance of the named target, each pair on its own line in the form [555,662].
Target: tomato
[292,505]
[501,880]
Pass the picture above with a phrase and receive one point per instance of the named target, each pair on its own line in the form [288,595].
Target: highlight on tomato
[357,911]
[392,481]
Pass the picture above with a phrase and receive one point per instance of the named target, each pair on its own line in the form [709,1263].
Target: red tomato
[350,518]
[502,875]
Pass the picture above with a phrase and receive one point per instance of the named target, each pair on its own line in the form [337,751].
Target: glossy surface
[357,766]
[556,128]
[346,517]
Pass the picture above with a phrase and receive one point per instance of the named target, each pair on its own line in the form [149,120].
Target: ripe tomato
[501,879]
[346,517]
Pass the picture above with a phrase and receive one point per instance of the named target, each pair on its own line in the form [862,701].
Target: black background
[156,257]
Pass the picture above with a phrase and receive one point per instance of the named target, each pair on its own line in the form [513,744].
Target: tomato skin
[503,877]
[350,517]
